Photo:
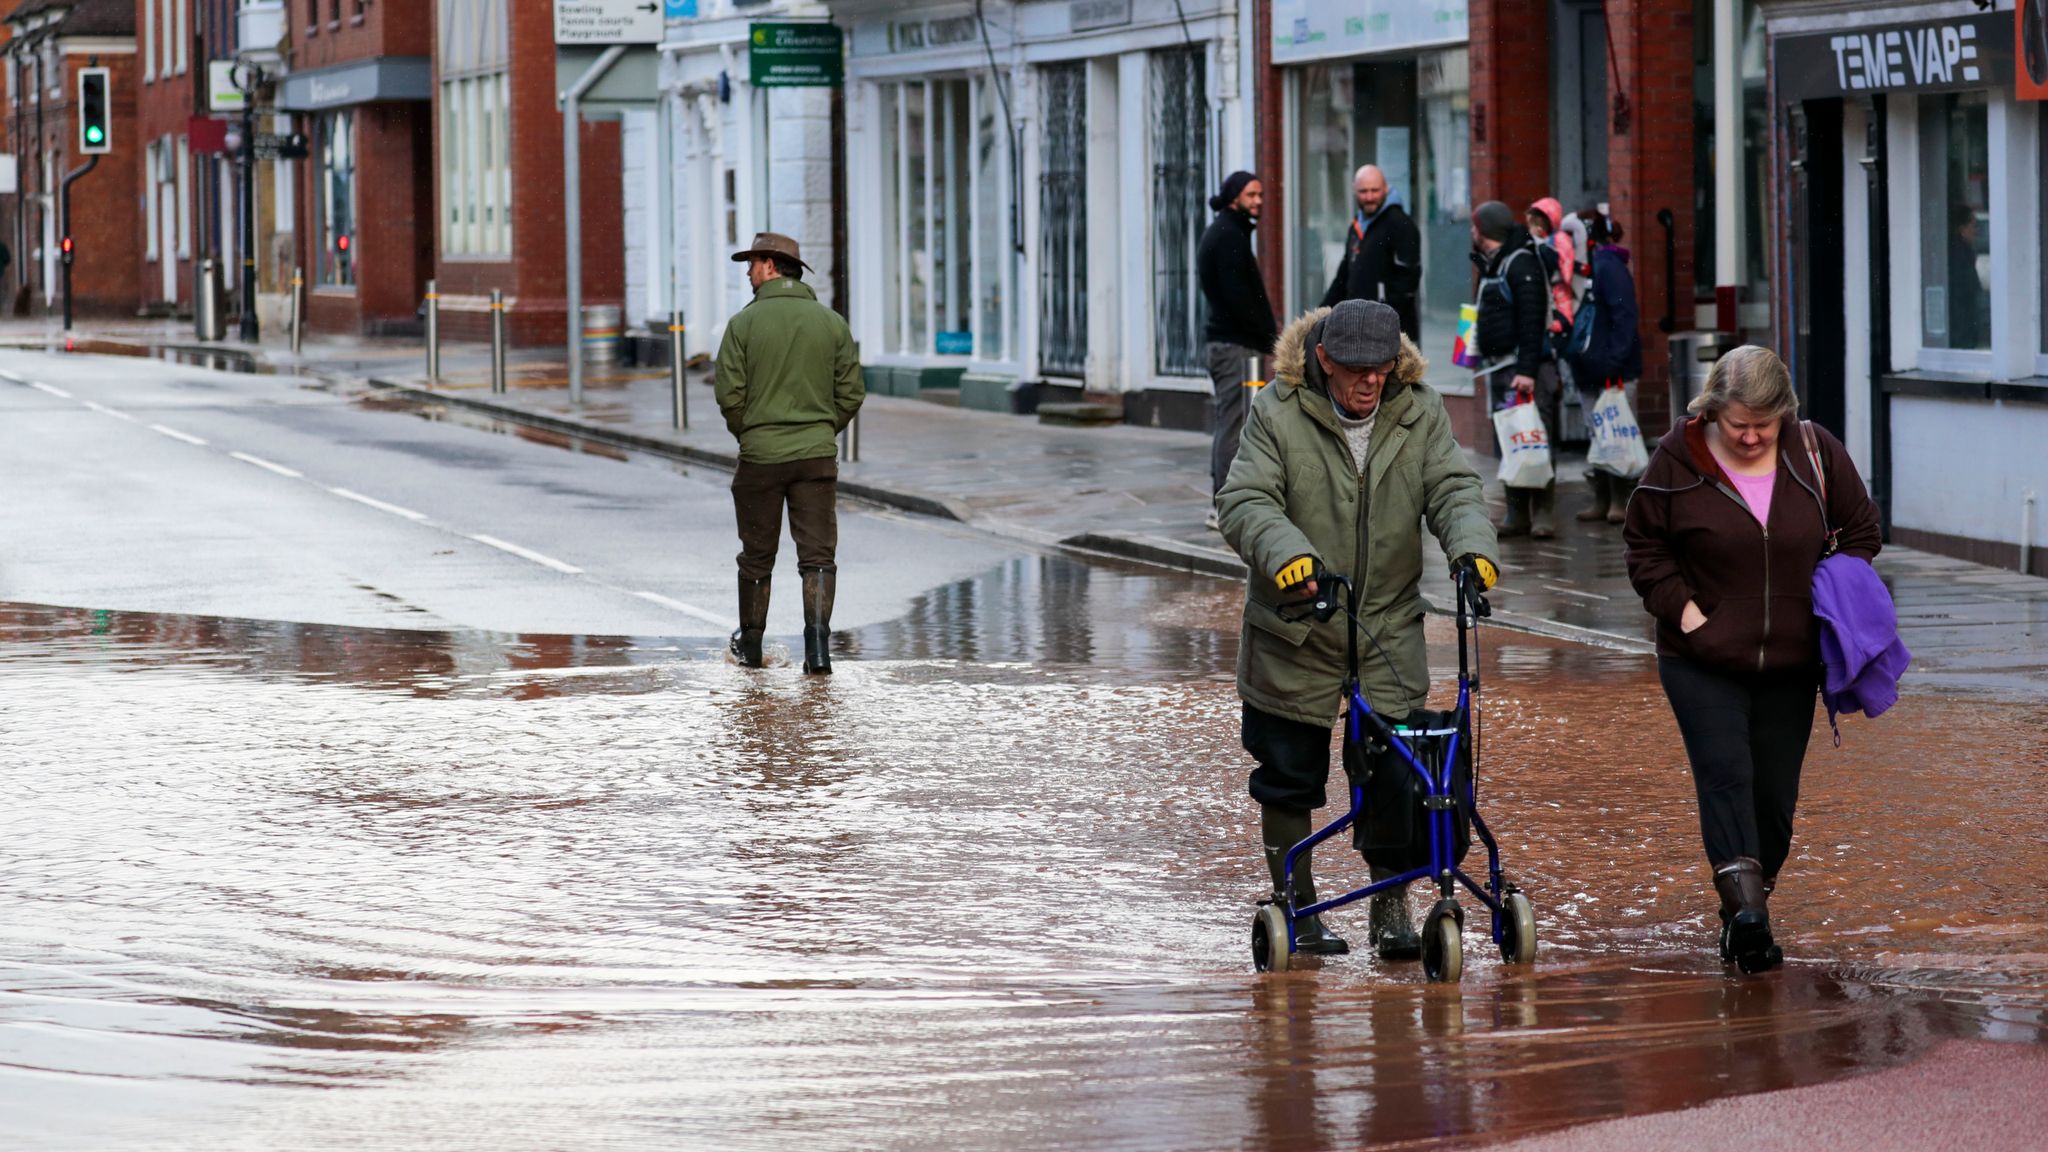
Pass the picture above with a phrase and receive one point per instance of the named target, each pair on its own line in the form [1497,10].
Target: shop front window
[1412,119]
[947,248]
[1753,224]
[1180,178]
[338,200]
[1063,221]
[1955,222]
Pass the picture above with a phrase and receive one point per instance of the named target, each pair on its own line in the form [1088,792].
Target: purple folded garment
[1859,637]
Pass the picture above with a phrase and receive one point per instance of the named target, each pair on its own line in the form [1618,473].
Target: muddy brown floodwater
[265,885]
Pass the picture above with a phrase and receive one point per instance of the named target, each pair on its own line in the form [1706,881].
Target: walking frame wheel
[1270,952]
[1443,954]
[1518,931]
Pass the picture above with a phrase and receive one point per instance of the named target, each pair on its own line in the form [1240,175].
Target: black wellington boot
[1393,926]
[819,586]
[1746,933]
[1602,487]
[746,641]
[1282,829]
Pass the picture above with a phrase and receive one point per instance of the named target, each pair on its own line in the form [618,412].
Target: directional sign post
[608,21]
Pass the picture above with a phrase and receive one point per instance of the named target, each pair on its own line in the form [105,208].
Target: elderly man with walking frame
[1344,457]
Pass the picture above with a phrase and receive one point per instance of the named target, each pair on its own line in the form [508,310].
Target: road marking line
[1576,592]
[710,618]
[103,410]
[526,554]
[39,386]
[260,462]
[379,505]
[174,434]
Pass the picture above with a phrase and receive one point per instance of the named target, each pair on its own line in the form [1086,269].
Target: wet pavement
[988,886]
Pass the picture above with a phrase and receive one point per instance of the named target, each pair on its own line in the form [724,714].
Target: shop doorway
[1819,360]
[1063,222]
[1578,79]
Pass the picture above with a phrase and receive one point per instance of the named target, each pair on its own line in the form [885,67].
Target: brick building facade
[359,87]
[498,182]
[50,41]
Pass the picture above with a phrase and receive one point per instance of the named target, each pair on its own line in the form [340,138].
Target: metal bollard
[206,311]
[497,340]
[680,417]
[298,308]
[433,333]
[849,439]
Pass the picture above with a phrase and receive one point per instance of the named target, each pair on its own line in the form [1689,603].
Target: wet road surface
[148,485]
[287,885]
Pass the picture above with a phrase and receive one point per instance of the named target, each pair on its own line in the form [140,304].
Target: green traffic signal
[94,134]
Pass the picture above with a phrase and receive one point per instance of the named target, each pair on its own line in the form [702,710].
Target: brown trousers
[811,489]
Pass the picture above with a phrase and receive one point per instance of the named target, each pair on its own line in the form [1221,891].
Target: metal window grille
[1063,223]
[1180,168]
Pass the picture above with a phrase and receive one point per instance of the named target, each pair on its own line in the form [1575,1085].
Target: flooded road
[268,885]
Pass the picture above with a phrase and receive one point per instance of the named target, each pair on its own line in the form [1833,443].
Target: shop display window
[1063,220]
[1180,182]
[947,251]
[1956,229]
[338,199]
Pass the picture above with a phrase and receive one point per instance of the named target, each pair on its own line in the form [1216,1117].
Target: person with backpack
[1514,329]
[1605,349]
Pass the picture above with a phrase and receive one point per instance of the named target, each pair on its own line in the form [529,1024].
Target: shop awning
[358,82]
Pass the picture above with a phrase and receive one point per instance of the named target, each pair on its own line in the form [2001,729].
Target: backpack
[1579,341]
[1494,291]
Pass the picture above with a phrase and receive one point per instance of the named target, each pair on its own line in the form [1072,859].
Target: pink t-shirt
[1756,492]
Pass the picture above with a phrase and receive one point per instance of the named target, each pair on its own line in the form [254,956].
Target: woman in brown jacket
[1723,535]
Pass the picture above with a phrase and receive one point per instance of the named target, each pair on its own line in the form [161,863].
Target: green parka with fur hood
[1293,490]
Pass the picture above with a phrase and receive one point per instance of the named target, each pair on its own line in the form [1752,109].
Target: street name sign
[608,21]
[810,55]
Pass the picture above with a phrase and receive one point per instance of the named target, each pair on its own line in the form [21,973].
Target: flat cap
[1362,334]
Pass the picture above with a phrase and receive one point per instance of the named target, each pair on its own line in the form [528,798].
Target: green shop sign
[795,55]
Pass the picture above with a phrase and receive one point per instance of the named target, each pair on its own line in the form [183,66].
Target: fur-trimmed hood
[1293,366]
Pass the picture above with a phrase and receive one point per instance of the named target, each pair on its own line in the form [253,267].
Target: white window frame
[149,42]
[184,198]
[152,249]
[477,223]
[183,52]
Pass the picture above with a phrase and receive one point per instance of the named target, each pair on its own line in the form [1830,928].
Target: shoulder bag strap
[1820,477]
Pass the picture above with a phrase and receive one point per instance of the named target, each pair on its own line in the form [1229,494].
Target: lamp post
[248,77]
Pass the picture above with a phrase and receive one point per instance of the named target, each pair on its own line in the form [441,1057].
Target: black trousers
[1293,760]
[811,489]
[1746,737]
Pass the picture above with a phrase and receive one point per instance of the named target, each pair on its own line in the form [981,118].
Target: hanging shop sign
[809,55]
[1953,54]
[1306,30]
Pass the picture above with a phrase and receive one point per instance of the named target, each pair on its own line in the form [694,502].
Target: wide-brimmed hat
[771,244]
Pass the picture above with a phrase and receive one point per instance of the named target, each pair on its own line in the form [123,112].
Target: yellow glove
[1479,567]
[1297,571]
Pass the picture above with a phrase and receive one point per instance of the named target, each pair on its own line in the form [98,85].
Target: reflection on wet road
[988,886]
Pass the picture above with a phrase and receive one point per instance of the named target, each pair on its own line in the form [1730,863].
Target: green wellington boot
[1393,923]
[1282,829]
[746,640]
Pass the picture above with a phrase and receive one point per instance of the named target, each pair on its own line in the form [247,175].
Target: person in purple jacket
[1723,535]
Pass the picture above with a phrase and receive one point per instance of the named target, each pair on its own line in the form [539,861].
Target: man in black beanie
[1241,324]
[1513,337]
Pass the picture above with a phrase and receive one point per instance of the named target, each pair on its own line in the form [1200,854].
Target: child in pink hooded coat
[1543,217]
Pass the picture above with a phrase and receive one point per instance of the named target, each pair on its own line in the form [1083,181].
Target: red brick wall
[104,224]
[1269,96]
[388,29]
[533,278]
[1510,51]
[1650,168]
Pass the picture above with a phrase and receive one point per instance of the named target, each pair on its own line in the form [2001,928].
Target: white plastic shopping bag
[1524,447]
[1617,441]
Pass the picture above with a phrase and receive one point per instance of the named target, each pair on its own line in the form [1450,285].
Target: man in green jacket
[788,381]
[1344,457]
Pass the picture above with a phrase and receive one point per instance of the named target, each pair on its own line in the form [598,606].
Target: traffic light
[65,247]
[95,121]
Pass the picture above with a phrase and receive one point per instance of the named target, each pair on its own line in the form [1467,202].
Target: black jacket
[1616,352]
[1384,263]
[1239,312]
[1514,302]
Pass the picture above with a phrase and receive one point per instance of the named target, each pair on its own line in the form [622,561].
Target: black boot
[1622,489]
[1516,521]
[1746,919]
[1393,926]
[1281,829]
[746,641]
[819,586]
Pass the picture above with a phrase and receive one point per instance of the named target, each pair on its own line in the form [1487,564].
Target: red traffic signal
[341,242]
[66,246]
